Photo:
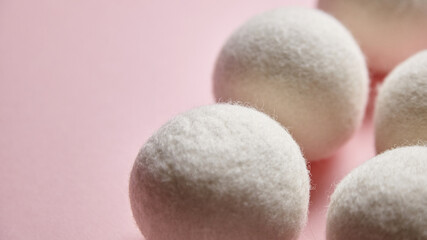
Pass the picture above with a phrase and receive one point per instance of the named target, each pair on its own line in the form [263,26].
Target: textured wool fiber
[220,172]
[385,198]
[401,107]
[301,66]
[389,31]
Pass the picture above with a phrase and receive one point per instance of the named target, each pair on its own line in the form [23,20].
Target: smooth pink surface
[84,83]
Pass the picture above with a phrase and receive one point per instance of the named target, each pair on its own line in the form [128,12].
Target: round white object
[385,198]
[401,107]
[220,172]
[388,31]
[302,67]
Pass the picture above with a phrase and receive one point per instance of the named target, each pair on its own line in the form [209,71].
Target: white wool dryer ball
[301,66]
[389,31]
[384,198]
[401,107]
[220,172]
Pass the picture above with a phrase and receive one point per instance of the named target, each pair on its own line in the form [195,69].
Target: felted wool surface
[385,198]
[302,67]
[389,31]
[401,108]
[220,172]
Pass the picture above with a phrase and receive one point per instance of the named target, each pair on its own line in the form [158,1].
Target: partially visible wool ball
[385,198]
[220,172]
[301,66]
[389,31]
[401,107]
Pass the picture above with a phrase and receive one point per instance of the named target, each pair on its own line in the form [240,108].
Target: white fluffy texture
[220,172]
[401,108]
[302,67]
[385,198]
[389,31]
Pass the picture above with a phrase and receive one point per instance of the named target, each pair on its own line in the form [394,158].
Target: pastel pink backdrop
[84,83]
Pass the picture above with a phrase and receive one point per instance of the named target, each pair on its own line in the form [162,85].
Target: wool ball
[302,67]
[385,198]
[401,107]
[389,31]
[220,172]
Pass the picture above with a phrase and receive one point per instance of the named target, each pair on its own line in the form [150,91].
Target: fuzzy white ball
[301,66]
[220,172]
[385,198]
[389,31]
[401,107]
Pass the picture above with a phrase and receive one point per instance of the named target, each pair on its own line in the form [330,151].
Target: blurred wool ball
[302,67]
[220,172]
[401,107]
[385,198]
[389,31]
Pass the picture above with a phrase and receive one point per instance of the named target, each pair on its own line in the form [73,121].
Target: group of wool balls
[238,171]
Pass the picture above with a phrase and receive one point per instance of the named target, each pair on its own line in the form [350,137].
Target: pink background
[84,83]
